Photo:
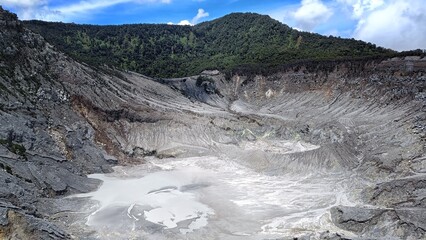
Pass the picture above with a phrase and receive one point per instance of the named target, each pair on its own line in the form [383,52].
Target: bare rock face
[379,223]
[46,148]
[405,192]
[18,225]
[61,120]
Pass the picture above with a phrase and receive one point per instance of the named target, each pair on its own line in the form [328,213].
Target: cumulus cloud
[200,14]
[184,22]
[311,13]
[359,7]
[399,24]
[395,24]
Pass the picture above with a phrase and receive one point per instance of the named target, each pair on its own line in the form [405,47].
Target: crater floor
[213,197]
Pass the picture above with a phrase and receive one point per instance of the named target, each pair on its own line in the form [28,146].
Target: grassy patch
[6,168]
[16,148]
[202,79]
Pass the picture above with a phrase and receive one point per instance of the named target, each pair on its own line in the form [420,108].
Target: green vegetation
[14,147]
[230,42]
[18,149]
[7,168]
[201,79]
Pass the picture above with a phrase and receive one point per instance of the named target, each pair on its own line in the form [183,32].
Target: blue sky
[396,24]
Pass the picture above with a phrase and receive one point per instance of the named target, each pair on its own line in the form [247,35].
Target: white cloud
[39,9]
[200,14]
[395,24]
[400,25]
[43,13]
[22,3]
[359,7]
[32,9]
[85,6]
[184,22]
[311,13]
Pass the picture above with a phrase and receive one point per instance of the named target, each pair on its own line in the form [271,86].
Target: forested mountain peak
[244,20]
[235,40]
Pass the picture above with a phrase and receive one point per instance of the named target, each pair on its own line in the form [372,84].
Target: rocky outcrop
[17,225]
[46,148]
[381,223]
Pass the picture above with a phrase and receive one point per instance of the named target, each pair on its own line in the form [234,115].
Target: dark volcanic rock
[22,226]
[356,219]
[406,192]
[46,147]
[378,223]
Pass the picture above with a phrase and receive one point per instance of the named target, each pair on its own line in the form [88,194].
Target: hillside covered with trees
[235,40]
